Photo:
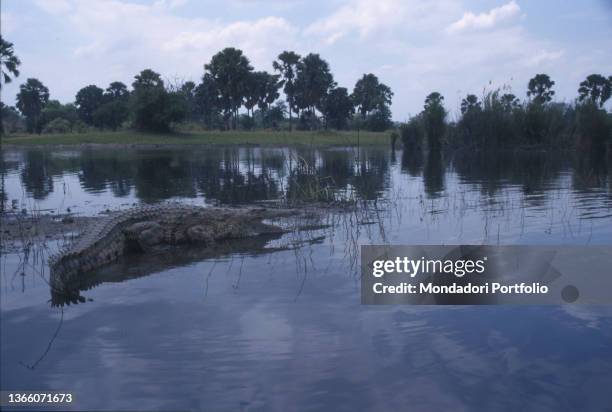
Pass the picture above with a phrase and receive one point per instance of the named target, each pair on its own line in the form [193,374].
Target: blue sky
[454,47]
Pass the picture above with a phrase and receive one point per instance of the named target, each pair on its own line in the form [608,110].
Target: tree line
[230,95]
[500,119]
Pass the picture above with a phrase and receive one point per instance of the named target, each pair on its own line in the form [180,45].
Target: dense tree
[148,101]
[228,84]
[274,115]
[175,109]
[230,71]
[434,116]
[539,89]
[147,79]
[469,103]
[88,99]
[58,125]
[337,108]
[509,102]
[10,119]
[113,112]
[261,91]
[153,107]
[207,100]
[313,82]
[116,90]
[379,119]
[55,110]
[188,87]
[187,91]
[369,94]
[432,100]
[596,88]
[593,122]
[254,90]
[31,100]
[308,121]
[269,91]
[9,62]
[286,65]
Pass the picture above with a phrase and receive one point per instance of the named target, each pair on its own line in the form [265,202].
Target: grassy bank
[267,138]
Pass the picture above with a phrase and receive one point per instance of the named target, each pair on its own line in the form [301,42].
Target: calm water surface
[277,323]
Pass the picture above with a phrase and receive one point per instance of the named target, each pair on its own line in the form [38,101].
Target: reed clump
[498,120]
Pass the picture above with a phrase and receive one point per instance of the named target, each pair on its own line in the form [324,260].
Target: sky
[415,47]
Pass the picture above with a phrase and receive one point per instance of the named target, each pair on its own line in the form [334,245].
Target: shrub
[274,116]
[412,134]
[10,120]
[80,127]
[434,116]
[394,136]
[547,123]
[499,121]
[54,110]
[594,127]
[155,109]
[58,125]
[379,120]
[502,122]
[489,124]
[246,122]
[309,121]
[110,115]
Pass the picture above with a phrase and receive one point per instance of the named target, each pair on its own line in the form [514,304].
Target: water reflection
[232,175]
[412,162]
[37,174]
[592,171]
[243,175]
[133,266]
[433,174]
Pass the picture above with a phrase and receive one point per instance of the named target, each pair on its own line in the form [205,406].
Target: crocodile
[146,228]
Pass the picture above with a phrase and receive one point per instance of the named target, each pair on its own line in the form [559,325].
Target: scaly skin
[148,226]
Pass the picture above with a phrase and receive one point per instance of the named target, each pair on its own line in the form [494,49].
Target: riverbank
[258,138]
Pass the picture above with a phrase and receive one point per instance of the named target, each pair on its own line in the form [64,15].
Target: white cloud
[485,20]
[544,56]
[168,4]
[364,16]
[367,17]
[130,37]
[248,34]
[54,6]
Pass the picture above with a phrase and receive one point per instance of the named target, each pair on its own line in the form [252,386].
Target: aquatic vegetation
[594,127]
[500,120]
[412,134]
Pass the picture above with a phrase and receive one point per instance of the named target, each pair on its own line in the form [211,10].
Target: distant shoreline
[128,139]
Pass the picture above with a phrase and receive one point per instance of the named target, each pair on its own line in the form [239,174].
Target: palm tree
[8,61]
[287,67]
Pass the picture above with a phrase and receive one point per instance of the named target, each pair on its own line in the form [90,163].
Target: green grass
[266,138]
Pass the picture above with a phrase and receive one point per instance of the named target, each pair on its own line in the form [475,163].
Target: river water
[277,323]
